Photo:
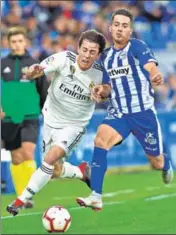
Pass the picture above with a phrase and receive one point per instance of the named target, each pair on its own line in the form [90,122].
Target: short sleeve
[54,63]
[105,75]
[143,53]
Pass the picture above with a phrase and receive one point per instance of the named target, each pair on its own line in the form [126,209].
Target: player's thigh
[63,140]
[30,131]
[29,135]
[68,138]
[10,134]
[111,132]
[146,128]
[46,139]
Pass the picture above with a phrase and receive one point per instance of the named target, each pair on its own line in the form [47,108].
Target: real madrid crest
[72,69]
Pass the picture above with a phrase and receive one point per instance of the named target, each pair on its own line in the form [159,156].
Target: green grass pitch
[134,203]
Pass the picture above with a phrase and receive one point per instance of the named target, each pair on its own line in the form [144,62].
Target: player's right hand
[2,114]
[96,93]
[157,79]
[34,71]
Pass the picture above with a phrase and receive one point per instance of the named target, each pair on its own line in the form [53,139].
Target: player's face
[88,52]
[17,44]
[121,29]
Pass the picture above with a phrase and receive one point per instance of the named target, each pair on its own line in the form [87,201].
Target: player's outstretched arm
[155,75]
[35,71]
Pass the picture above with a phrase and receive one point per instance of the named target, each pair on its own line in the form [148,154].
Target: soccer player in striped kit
[130,69]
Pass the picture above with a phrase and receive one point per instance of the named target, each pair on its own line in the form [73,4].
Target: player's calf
[81,171]
[163,162]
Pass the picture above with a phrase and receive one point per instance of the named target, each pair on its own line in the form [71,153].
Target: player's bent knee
[28,155]
[107,137]
[54,154]
[17,158]
[28,150]
[100,142]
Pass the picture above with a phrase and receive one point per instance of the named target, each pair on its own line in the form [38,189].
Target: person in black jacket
[20,138]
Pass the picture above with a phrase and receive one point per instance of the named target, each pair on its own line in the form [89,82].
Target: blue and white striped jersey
[123,69]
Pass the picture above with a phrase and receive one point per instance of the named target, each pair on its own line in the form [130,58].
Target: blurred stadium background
[54,26]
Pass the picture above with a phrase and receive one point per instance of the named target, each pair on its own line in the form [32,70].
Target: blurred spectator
[172,92]
[166,94]
[4,46]
[60,25]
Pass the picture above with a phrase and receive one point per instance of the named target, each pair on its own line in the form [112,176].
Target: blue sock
[98,169]
[166,162]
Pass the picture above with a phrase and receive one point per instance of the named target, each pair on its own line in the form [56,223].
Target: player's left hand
[157,79]
[96,93]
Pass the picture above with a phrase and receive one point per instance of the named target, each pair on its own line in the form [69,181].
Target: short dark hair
[93,36]
[123,12]
[15,31]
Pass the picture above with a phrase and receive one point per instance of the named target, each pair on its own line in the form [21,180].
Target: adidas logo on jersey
[7,70]
[121,71]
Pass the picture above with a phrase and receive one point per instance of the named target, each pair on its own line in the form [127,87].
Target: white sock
[70,171]
[96,195]
[37,181]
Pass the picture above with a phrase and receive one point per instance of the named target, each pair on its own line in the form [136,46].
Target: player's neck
[19,53]
[119,46]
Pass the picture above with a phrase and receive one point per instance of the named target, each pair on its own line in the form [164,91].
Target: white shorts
[66,138]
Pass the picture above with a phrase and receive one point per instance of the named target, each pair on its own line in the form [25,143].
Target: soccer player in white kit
[67,110]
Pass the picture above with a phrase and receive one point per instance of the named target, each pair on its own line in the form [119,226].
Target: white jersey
[68,101]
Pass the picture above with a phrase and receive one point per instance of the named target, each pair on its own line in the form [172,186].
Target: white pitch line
[111,194]
[72,208]
[164,186]
[62,198]
[152,188]
[159,197]
[170,185]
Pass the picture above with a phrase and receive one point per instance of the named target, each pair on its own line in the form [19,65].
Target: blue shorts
[144,126]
